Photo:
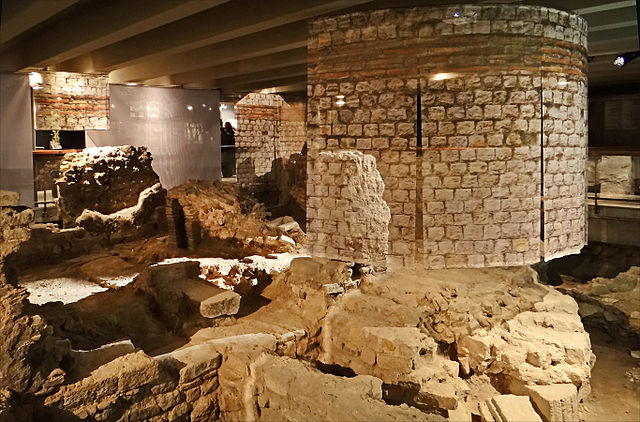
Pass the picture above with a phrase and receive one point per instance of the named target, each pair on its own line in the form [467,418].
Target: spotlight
[35,79]
[626,58]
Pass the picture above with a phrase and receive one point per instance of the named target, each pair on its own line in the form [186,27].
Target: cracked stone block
[510,408]
[556,402]
[224,303]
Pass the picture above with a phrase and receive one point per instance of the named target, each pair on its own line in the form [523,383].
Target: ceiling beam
[239,68]
[243,89]
[18,16]
[299,87]
[611,26]
[98,24]
[605,7]
[295,71]
[228,21]
[282,38]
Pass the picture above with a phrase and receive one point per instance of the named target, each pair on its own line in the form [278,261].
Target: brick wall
[470,197]
[268,129]
[72,101]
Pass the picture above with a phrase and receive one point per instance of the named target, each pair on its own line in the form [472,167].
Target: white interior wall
[180,127]
[16,136]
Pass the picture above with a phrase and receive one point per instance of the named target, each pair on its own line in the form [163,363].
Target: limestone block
[319,271]
[556,402]
[119,376]
[510,408]
[192,362]
[288,389]
[224,303]
[179,291]
[88,360]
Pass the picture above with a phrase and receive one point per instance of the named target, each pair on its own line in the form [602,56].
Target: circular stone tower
[477,118]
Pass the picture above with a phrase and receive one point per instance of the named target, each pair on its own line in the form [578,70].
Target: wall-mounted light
[189,107]
[626,58]
[35,80]
[340,100]
[132,84]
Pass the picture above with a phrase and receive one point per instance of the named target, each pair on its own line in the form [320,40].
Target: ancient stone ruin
[397,288]
[478,128]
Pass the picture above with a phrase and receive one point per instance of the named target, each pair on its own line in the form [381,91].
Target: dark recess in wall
[69,139]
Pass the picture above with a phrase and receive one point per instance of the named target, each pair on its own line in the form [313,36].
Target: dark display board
[614,121]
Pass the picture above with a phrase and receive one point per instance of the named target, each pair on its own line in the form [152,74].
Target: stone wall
[491,80]
[347,217]
[72,101]
[268,129]
[181,385]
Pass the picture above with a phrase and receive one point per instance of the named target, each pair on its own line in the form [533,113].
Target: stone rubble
[105,180]
[128,222]
[220,212]
[612,304]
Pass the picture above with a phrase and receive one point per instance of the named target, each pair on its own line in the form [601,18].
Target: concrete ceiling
[235,45]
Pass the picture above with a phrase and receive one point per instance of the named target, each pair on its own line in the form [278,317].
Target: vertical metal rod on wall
[419,226]
[542,245]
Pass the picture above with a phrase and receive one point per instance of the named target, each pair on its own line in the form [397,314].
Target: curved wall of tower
[476,116]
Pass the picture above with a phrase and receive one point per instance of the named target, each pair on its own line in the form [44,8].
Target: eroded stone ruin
[203,303]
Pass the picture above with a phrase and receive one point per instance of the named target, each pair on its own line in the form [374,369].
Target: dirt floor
[614,397]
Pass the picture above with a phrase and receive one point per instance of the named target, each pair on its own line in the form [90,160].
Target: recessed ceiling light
[626,58]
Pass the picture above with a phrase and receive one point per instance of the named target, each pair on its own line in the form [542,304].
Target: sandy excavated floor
[69,289]
[63,289]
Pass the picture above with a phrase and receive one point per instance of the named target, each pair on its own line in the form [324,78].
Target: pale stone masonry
[268,129]
[347,219]
[503,116]
[72,101]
